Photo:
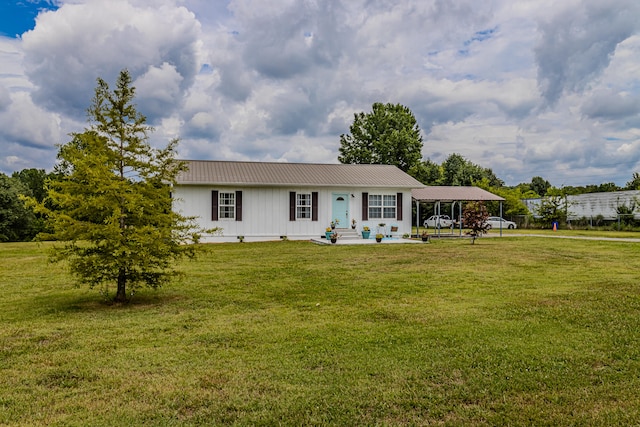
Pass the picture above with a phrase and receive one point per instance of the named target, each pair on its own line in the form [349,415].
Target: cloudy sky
[541,87]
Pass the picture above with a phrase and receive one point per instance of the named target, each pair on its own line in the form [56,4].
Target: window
[303,206]
[389,206]
[227,205]
[375,206]
[382,206]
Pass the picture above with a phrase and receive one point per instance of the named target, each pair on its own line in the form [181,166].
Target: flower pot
[327,234]
[378,239]
[425,238]
[333,240]
[365,234]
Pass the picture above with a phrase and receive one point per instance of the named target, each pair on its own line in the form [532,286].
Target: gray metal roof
[452,193]
[295,174]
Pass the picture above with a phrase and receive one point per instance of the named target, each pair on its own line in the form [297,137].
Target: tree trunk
[121,294]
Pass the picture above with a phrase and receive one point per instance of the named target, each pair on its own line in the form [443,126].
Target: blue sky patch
[19,16]
[478,36]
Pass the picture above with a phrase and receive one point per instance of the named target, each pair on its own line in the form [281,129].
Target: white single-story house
[268,201]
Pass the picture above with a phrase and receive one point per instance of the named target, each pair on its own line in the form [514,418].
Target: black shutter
[314,206]
[238,205]
[399,206]
[365,206]
[214,205]
[292,206]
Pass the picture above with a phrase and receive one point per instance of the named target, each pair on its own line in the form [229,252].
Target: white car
[495,221]
[438,221]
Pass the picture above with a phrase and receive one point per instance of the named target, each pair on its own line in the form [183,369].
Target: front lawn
[509,331]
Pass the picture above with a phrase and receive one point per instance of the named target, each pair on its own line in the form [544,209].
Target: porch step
[348,233]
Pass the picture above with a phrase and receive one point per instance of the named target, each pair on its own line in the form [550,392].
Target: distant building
[592,205]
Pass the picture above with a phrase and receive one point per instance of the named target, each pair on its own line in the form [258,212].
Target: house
[267,201]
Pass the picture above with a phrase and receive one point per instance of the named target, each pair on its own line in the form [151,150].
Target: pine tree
[112,201]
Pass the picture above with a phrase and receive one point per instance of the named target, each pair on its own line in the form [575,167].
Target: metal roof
[452,194]
[203,172]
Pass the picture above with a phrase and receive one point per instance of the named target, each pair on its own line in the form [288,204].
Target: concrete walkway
[365,241]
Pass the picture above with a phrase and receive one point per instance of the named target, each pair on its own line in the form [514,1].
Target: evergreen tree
[112,202]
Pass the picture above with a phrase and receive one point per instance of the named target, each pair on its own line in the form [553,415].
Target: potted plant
[327,232]
[425,236]
[334,237]
[379,237]
[334,223]
[365,232]
[353,224]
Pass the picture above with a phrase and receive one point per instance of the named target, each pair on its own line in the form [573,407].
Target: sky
[526,88]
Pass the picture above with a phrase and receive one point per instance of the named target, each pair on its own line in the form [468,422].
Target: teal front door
[340,210]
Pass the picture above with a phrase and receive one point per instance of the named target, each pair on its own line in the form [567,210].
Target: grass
[515,331]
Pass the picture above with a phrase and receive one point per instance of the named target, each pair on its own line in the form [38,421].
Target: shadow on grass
[93,301]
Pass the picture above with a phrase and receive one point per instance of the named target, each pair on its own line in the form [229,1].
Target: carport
[454,195]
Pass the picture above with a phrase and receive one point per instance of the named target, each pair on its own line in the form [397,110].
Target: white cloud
[159,90]
[533,87]
[28,134]
[74,45]
[577,44]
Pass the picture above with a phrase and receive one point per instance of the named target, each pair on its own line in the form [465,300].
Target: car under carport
[454,195]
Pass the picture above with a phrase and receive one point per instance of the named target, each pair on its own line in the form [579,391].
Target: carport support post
[417,218]
[501,217]
[437,208]
[460,216]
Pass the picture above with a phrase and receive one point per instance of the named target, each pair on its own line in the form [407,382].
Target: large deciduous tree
[539,185]
[427,172]
[456,170]
[634,184]
[112,203]
[389,134]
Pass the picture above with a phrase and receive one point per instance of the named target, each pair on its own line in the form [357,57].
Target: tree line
[17,221]
[389,134]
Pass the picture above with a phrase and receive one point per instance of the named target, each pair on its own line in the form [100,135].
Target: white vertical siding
[265,211]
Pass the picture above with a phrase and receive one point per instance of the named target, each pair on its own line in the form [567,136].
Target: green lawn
[510,331]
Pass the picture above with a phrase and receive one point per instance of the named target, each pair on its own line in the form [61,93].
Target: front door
[340,210]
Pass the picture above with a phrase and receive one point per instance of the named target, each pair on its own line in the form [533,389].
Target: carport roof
[453,194]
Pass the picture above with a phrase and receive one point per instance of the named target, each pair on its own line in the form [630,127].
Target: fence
[621,221]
